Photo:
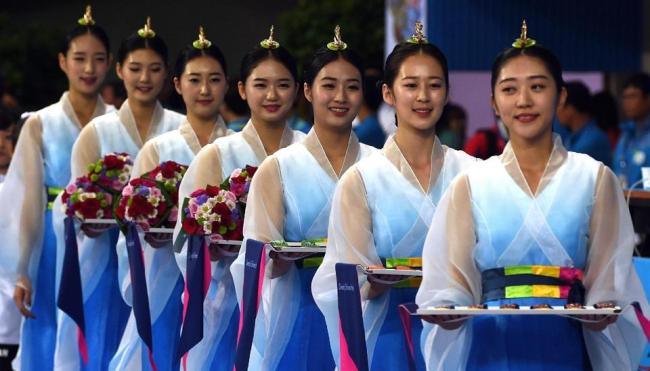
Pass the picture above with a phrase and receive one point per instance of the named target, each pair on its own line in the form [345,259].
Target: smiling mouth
[526,117]
[144,89]
[272,107]
[89,80]
[422,111]
[339,111]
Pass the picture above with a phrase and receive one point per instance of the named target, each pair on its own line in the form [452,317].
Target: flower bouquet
[84,199]
[91,196]
[239,183]
[111,172]
[151,201]
[217,213]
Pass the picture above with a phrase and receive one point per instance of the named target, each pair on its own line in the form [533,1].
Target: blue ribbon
[252,269]
[192,331]
[139,286]
[351,316]
[70,299]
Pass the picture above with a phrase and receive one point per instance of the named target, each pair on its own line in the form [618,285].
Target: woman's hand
[447,322]
[282,261]
[94,230]
[380,283]
[158,240]
[219,251]
[23,296]
[596,322]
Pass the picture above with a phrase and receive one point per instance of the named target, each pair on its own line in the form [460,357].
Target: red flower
[221,209]
[197,193]
[251,170]
[190,226]
[89,208]
[169,169]
[142,182]
[139,206]
[212,190]
[113,162]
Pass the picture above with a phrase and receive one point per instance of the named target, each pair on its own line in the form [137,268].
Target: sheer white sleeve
[610,275]
[24,199]
[450,276]
[349,240]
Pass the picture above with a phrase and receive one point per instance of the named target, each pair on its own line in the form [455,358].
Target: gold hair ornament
[270,43]
[202,43]
[418,37]
[147,32]
[87,19]
[337,45]
[523,41]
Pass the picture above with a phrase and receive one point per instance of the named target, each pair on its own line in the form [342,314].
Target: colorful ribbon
[52,194]
[354,354]
[254,268]
[533,281]
[139,288]
[70,299]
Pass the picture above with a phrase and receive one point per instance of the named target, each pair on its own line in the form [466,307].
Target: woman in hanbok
[290,199]
[39,171]
[535,225]
[142,65]
[383,205]
[269,85]
[200,78]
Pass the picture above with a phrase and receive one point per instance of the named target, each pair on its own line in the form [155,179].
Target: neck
[83,106]
[142,112]
[415,145]
[270,134]
[533,155]
[203,127]
[334,142]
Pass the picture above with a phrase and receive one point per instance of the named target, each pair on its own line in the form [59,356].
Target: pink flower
[173,214]
[127,191]
[237,188]
[193,208]
[235,173]
[71,188]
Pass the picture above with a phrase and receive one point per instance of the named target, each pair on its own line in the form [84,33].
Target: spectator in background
[234,110]
[369,130]
[605,114]
[7,140]
[488,142]
[584,136]
[114,93]
[9,315]
[452,126]
[633,147]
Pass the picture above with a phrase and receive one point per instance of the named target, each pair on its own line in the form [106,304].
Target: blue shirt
[632,151]
[370,132]
[237,124]
[592,141]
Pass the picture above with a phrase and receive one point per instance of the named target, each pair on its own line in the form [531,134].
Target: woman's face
[85,64]
[203,87]
[143,73]
[419,92]
[269,90]
[335,94]
[526,99]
